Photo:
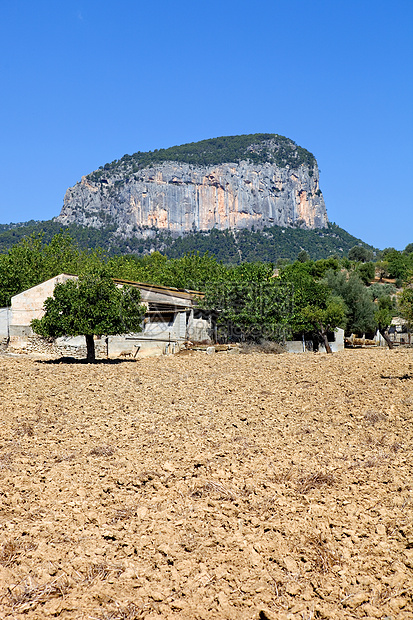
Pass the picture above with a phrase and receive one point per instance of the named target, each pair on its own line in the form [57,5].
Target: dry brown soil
[208,486]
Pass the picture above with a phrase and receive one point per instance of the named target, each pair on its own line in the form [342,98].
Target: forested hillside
[266,245]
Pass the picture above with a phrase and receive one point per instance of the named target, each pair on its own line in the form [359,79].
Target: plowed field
[207,487]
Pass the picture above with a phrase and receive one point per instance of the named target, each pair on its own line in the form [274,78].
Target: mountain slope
[233,182]
[267,245]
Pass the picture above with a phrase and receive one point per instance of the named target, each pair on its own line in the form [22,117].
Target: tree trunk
[326,344]
[323,333]
[90,348]
[387,339]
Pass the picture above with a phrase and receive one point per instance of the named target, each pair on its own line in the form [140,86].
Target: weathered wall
[296,346]
[5,316]
[183,197]
[28,305]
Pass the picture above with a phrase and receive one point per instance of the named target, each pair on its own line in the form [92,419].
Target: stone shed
[172,318]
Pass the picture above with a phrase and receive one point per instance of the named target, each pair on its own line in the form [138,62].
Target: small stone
[129,573]
[357,599]
[371,611]
[210,350]
[168,466]
[408,558]
[290,564]
[266,614]
[397,603]
[397,580]
[222,599]
[292,588]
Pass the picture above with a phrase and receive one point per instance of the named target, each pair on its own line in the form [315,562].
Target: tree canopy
[88,306]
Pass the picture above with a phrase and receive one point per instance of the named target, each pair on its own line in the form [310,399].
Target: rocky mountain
[236,182]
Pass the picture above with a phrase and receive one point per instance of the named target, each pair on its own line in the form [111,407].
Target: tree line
[251,300]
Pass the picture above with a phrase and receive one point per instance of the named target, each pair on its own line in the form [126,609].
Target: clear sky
[85,81]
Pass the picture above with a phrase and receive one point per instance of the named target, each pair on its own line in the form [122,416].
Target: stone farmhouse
[172,318]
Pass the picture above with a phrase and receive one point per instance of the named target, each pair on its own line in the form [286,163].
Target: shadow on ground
[74,360]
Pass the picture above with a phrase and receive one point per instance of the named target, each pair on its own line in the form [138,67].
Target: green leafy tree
[303,256]
[360,307]
[315,309]
[360,253]
[246,311]
[31,261]
[366,271]
[324,320]
[383,317]
[406,305]
[92,305]
[377,290]
[397,264]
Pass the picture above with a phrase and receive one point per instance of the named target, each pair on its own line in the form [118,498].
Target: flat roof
[159,288]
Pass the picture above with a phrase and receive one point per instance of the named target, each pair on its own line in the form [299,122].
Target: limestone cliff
[267,180]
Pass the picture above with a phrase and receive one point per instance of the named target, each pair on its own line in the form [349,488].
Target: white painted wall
[28,305]
[5,316]
[296,346]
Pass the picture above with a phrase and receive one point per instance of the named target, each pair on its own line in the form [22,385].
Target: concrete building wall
[28,305]
[5,316]
[200,331]
[297,346]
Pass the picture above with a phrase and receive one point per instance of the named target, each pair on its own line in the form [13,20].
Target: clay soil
[208,486]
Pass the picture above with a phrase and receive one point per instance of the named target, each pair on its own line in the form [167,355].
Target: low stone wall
[56,348]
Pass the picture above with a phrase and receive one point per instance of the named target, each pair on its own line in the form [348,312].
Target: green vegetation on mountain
[255,148]
[267,245]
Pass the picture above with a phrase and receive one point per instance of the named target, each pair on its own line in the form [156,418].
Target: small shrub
[314,481]
[102,451]
[266,346]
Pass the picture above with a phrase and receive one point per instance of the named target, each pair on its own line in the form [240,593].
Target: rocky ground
[208,486]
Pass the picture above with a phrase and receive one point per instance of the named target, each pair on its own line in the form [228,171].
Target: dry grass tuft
[147,475]
[211,486]
[24,429]
[283,477]
[6,460]
[376,441]
[102,572]
[323,557]
[11,550]
[130,612]
[314,481]
[65,456]
[372,417]
[24,597]
[102,451]
[122,514]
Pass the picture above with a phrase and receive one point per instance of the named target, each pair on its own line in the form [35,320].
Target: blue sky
[84,82]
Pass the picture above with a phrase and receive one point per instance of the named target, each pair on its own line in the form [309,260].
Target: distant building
[172,318]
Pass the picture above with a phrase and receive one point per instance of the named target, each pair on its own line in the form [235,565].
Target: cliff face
[182,197]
